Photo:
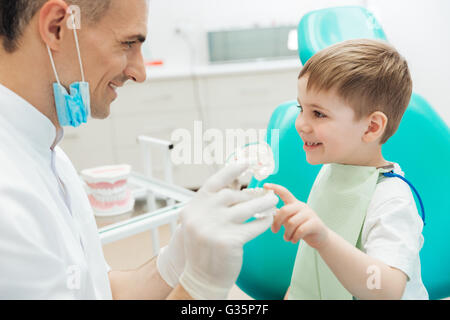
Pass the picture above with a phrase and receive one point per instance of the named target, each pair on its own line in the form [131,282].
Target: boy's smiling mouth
[311,145]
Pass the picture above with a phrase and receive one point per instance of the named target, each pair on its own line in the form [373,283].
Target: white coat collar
[28,121]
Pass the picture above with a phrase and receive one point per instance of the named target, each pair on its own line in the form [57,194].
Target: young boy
[361,230]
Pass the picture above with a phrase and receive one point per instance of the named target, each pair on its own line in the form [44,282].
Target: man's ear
[52,22]
[377,122]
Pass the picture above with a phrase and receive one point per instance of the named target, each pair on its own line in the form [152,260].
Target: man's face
[111,52]
[328,122]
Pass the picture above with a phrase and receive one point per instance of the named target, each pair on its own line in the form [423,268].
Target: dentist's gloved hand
[215,231]
[171,260]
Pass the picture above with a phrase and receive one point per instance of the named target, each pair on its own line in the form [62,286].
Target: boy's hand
[298,219]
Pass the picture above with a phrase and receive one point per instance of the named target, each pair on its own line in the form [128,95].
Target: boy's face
[326,121]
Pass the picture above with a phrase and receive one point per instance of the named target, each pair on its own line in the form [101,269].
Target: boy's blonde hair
[370,75]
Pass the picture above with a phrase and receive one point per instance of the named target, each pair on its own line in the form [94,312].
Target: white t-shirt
[49,243]
[392,231]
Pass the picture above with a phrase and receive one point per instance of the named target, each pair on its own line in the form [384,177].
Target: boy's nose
[302,126]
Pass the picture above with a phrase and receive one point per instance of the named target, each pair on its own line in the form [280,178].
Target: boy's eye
[319,114]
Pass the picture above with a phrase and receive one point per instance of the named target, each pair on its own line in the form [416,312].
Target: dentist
[55,73]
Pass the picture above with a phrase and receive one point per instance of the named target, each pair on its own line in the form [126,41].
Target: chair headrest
[322,28]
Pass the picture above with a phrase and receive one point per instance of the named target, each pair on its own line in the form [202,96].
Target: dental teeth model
[107,189]
[259,156]
[262,164]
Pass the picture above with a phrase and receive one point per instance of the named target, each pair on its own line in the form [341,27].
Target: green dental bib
[340,196]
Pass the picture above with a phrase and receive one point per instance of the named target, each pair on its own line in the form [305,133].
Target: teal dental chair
[421,146]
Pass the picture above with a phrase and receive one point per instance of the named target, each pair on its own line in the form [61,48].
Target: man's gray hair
[15,15]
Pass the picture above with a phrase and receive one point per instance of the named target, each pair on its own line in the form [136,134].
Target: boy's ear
[377,124]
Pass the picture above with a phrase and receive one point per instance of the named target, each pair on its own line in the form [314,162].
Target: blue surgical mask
[72,108]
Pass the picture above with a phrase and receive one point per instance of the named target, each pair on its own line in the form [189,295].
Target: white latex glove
[215,231]
[171,260]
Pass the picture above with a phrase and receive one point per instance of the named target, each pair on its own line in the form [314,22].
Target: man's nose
[136,68]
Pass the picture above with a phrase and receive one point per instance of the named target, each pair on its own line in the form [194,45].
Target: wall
[421,32]
[195,17]
[419,29]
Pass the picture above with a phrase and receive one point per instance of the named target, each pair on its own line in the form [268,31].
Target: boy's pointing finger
[286,196]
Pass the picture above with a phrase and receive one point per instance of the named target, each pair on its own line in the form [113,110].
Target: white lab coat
[49,243]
